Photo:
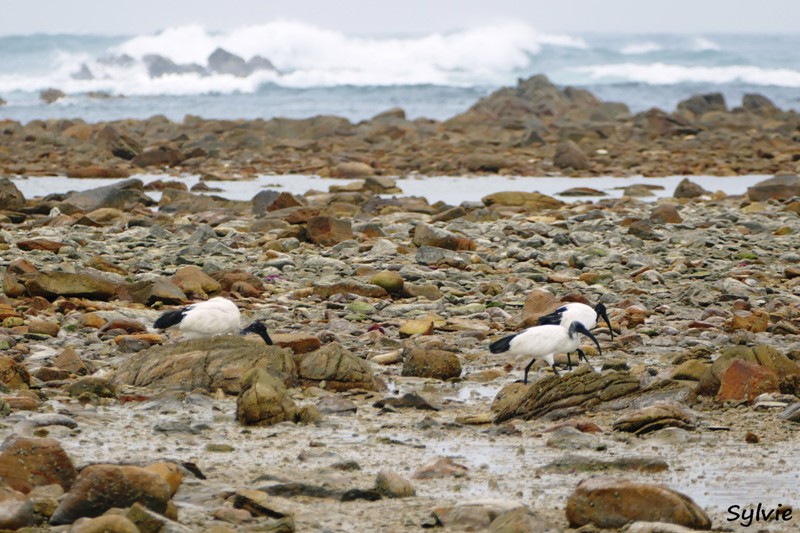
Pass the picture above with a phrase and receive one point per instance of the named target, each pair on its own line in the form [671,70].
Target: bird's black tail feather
[552,319]
[502,345]
[170,318]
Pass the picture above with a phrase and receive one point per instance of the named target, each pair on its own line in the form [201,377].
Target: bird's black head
[577,327]
[601,312]
[260,329]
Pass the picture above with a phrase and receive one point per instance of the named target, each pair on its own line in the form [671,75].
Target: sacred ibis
[217,316]
[543,342]
[578,312]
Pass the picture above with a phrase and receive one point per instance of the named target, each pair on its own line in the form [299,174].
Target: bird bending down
[577,312]
[217,316]
[543,342]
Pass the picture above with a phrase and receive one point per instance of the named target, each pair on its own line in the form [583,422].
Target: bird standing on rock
[217,316]
[543,342]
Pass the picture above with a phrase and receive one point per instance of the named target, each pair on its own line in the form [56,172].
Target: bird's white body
[544,342]
[578,312]
[217,316]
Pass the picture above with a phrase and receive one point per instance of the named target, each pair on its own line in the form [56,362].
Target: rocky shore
[380,408]
[533,129]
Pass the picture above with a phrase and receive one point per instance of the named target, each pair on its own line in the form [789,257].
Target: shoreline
[533,129]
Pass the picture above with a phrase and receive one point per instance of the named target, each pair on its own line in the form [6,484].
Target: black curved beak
[580,328]
[604,315]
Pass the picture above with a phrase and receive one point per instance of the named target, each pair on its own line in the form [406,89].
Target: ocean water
[320,71]
[452,190]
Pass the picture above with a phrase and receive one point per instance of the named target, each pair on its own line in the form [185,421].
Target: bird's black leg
[527,369]
[555,370]
[582,355]
[569,361]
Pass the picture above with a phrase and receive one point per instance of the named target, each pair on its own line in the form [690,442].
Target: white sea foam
[666,74]
[306,56]
[700,44]
[641,48]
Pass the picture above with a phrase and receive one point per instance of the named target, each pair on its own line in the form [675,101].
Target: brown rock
[532,201]
[744,380]
[538,303]
[610,503]
[170,473]
[779,187]
[425,235]
[338,368]
[97,171]
[574,393]
[44,327]
[440,468]
[391,281]
[569,155]
[757,321]
[13,375]
[16,510]
[109,523]
[210,364]
[195,283]
[98,488]
[26,463]
[328,231]
[11,199]
[40,244]
[666,214]
[161,156]
[688,189]
[350,287]
[352,169]
[70,361]
[263,400]
[654,417]
[51,285]
[149,292]
[521,520]
[298,343]
[392,485]
[91,320]
[437,364]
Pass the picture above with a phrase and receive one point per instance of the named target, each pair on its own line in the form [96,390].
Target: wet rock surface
[382,309]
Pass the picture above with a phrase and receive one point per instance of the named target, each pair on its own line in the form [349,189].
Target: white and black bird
[217,316]
[544,342]
[578,312]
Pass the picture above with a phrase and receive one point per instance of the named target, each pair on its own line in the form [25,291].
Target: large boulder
[780,187]
[426,235]
[532,201]
[211,364]
[437,364]
[11,199]
[338,368]
[26,463]
[263,400]
[223,62]
[610,503]
[100,487]
[538,303]
[568,395]
[84,284]
[118,196]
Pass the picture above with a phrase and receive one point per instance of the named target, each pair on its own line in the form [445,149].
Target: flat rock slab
[569,394]
[211,364]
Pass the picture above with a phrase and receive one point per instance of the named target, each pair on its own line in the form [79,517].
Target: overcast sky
[373,17]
